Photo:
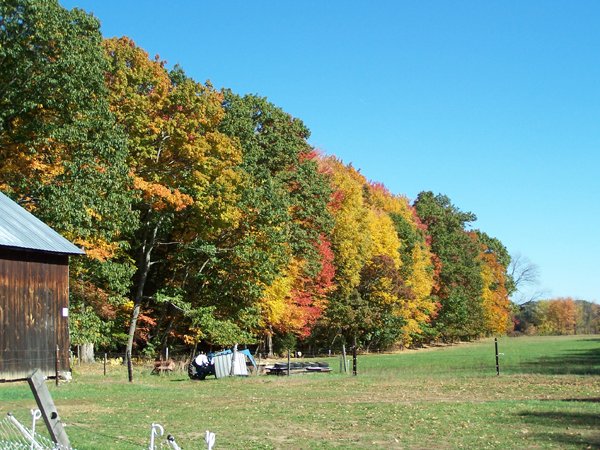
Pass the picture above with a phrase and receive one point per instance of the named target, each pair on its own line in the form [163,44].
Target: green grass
[547,396]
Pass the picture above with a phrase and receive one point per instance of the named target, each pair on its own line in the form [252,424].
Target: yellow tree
[496,304]
[417,263]
[494,260]
[383,264]
[184,168]
[384,239]
[275,306]
[351,240]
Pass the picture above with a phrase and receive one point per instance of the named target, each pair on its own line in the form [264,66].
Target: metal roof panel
[21,229]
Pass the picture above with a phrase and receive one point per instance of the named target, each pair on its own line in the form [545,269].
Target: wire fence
[16,436]
[514,355]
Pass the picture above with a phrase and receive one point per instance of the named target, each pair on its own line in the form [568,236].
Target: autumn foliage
[558,316]
[208,219]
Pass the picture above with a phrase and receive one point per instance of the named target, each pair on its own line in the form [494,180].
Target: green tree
[284,204]
[63,157]
[460,288]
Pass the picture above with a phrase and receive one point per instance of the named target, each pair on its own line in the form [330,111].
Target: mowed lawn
[547,396]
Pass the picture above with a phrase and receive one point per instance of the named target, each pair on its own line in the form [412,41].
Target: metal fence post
[497,361]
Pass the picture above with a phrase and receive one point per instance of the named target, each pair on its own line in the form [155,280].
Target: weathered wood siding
[34,289]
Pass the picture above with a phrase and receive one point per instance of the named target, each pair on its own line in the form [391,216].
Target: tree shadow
[576,362]
[569,428]
[583,400]
[562,418]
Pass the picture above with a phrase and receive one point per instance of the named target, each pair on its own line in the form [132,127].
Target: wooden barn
[34,295]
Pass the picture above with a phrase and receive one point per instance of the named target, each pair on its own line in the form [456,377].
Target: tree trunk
[145,262]
[87,353]
[269,344]
[132,327]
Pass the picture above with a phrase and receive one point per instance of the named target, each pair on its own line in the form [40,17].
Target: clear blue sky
[493,103]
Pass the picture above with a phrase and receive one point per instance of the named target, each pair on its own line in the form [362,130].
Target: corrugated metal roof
[21,229]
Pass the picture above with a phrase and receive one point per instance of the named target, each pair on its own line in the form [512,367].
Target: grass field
[547,396]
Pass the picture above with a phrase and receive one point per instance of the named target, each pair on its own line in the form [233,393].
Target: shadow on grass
[576,362]
[570,428]
[583,400]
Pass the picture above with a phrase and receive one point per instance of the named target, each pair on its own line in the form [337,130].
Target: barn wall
[34,289]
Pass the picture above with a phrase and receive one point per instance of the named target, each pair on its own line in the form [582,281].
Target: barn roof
[21,229]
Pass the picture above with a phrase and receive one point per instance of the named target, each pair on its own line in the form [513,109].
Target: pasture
[547,396]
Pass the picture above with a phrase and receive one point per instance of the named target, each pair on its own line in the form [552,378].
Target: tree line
[207,217]
[558,316]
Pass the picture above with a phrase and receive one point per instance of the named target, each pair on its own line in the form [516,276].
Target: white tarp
[223,365]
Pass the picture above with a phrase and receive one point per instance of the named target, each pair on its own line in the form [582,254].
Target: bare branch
[530,297]
[523,272]
[203,266]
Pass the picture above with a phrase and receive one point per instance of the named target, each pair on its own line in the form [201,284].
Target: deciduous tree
[496,304]
[460,287]
[417,266]
[63,156]
[184,168]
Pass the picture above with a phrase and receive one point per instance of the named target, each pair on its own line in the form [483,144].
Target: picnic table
[162,366]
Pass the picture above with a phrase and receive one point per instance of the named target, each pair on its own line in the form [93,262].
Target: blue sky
[493,103]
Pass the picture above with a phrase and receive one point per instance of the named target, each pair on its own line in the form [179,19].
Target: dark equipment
[297,368]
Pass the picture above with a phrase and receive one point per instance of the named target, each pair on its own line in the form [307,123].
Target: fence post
[354,360]
[129,367]
[497,361]
[289,363]
[344,358]
[48,409]
[104,364]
